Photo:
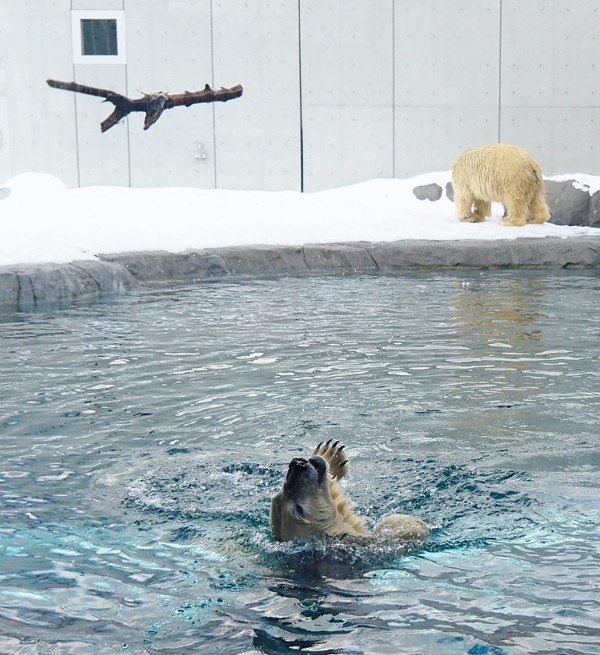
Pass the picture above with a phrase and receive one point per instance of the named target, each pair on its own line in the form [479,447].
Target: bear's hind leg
[539,210]
[463,205]
[516,213]
[482,210]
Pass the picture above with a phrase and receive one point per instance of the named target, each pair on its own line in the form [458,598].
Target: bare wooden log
[152,104]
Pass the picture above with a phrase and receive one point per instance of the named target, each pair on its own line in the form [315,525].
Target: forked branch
[152,104]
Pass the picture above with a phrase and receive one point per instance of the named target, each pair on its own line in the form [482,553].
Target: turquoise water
[141,440]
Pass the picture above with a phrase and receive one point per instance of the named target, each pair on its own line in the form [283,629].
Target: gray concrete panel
[38,122]
[4,141]
[94,4]
[562,140]
[258,135]
[346,144]
[347,91]
[432,137]
[551,81]
[550,53]
[103,158]
[446,53]
[170,51]
[446,81]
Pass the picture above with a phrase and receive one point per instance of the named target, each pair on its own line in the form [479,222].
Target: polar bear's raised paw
[334,453]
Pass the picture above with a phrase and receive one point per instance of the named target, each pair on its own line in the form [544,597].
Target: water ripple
[142,440]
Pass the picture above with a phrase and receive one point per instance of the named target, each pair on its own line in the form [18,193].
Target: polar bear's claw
[333,453]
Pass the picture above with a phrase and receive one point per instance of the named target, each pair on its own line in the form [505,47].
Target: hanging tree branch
[152,104]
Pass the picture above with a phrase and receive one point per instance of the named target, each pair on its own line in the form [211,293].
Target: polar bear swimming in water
[312,501]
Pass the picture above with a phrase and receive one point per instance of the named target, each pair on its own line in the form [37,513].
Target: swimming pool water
[142,438]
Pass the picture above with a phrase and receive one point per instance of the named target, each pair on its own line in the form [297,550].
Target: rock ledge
[47,286]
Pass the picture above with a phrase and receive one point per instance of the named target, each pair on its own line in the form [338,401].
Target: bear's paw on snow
[499,172]
[312,501]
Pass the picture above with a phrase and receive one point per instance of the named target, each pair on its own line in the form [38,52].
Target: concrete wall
[335,91]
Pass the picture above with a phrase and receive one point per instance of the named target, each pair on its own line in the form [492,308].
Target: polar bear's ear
[334,454]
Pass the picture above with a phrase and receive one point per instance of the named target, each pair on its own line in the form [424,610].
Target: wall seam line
[127,94]
[393,88]
[500,75]
[214,113]
[301,116]
[75,112]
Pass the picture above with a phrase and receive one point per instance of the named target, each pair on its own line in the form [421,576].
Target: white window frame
[77,15]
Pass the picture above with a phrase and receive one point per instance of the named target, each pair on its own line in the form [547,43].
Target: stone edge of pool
[28,287]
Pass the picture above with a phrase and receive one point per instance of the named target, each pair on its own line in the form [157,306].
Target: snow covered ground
[43,221]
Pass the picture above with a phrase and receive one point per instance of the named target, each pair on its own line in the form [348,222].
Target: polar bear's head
[304,505]
[311,500]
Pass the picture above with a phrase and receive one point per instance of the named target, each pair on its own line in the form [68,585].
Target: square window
[98,37]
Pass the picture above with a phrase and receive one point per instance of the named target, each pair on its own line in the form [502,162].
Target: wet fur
[313,502]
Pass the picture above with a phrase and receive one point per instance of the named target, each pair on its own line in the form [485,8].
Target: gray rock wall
[568,204]
[572,206]
[46,286]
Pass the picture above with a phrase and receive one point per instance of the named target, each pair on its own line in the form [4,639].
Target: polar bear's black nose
[299,462]
[298,477]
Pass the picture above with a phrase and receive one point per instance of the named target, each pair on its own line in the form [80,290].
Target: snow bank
[43,221]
